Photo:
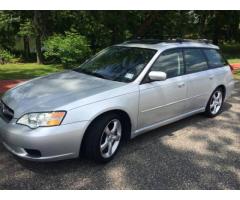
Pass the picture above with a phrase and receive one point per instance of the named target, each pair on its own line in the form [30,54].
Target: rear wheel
[103,138]
[215,103]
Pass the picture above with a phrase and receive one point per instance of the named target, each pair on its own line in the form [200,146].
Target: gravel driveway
[194,153]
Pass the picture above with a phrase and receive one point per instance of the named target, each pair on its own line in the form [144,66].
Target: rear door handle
[181,85]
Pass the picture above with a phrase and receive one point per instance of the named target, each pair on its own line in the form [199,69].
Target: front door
[162,100]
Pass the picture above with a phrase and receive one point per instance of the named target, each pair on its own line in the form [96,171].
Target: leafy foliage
[26,29]
[105,28]
[9,23]
[67,49]
[6,56]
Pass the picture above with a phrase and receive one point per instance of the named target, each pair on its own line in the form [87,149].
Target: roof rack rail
[206,41]
[146,41]
[172,40]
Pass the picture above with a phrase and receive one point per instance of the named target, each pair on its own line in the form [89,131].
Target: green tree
[68,49]
[26,31]
[104,28]
[9,25]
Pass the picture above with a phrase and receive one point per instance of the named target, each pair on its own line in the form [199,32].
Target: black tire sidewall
[93,138]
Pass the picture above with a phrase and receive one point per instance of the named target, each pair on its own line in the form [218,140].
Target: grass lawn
[26,70]
[237,75]
[31,70]
[234,60]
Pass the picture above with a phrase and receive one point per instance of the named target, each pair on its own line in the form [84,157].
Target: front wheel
[103,138]
[215,103]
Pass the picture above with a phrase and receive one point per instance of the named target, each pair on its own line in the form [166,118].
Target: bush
[6,56]
[67,49]
[231,51]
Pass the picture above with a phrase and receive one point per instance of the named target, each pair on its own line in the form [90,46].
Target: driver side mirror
[157,76]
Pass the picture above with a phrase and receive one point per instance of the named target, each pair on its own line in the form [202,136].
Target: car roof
[168,44]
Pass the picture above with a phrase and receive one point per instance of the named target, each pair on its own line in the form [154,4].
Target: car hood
[54,91]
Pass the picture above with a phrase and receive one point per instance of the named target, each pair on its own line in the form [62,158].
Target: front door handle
[181,85]
[211,77]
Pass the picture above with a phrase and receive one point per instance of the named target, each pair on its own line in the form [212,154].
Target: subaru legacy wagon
[123,91]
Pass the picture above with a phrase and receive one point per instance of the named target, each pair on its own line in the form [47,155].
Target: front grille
[6,113]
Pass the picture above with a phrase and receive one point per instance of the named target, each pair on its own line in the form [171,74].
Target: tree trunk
[38,49]
[26,47]
[146,24]
[216,35]
[216,29]
[202,25]
[37,19]
[114,35]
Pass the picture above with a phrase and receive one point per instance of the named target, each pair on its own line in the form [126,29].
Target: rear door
[199,79]
[216,65]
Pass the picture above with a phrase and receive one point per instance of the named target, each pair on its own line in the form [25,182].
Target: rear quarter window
[214,58]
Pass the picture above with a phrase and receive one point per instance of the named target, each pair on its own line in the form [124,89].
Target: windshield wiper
[90,73]
[99,75]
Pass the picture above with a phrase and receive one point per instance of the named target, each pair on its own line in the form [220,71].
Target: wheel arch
[125,119]
[223,87]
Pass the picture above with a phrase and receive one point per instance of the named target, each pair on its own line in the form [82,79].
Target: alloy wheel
[216,102]
[110,138]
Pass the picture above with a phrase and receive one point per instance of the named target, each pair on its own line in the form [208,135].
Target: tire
[103,131]
[215,103]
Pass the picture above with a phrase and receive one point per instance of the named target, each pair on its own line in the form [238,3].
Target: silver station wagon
[123,91]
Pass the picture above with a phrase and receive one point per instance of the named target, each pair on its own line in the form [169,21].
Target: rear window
[195,60]
[214,58]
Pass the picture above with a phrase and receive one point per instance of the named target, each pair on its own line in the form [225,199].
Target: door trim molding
[169,104]
[165,122]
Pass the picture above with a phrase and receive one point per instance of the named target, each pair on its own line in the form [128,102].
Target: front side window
[170,62]
[118,63]
[195,60]
[214,58]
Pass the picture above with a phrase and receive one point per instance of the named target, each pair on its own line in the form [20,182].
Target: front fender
[127,103]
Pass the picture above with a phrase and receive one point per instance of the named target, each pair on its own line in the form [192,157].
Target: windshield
[118,63]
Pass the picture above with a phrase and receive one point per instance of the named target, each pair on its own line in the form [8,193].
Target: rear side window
[170,62]
[195,60]
[214,58]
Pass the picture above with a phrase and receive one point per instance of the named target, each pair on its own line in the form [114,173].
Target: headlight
[44,119]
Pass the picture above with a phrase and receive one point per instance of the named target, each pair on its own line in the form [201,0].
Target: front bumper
[54,143]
